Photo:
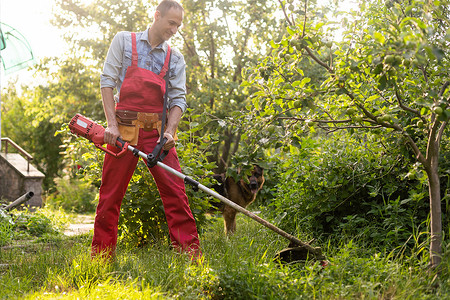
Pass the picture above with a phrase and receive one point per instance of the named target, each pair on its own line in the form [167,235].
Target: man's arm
[108,81]
[177,96]
[112,131]
[172,124]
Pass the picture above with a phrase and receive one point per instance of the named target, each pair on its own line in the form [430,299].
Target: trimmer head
[299,253]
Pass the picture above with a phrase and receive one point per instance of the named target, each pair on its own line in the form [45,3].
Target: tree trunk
[435,215]
[223,159]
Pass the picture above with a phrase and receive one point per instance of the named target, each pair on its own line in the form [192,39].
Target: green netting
[2,40]
[15,52]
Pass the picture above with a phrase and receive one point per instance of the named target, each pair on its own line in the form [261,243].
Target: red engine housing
[82,126]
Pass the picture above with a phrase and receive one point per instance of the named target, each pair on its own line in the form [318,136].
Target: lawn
[240,267]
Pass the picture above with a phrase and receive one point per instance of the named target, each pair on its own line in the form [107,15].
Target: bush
[349,186]
[42,224]
[34,224]
[73,195]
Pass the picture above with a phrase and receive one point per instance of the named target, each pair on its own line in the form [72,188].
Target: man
[135,65]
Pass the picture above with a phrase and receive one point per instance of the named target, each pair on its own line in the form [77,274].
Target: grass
[240,267]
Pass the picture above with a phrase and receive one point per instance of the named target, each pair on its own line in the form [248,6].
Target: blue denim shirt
[118,60]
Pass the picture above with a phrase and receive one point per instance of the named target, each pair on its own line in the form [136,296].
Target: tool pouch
[127,126]
[131,121]
[149,121]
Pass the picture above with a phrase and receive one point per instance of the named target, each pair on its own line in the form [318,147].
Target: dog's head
[256,179]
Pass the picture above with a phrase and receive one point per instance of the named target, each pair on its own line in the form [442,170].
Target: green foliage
[6,229]
[68,90]
[347,186]
[387,71]
[42,224]
[231,35]
[103,19]
[73,195]
[349,92]
[34,224]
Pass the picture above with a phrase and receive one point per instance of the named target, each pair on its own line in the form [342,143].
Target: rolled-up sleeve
[177,84]
[113,63]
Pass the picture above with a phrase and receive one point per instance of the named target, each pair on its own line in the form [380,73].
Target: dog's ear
[219,177]
[258,171]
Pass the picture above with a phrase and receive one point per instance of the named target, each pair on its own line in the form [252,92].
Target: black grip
[120,143]
[157,154]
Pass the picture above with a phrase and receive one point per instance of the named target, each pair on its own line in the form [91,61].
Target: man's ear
[157,15]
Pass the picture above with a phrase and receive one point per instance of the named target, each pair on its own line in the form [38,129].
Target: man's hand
[111,135]
[172,124]
[170,141]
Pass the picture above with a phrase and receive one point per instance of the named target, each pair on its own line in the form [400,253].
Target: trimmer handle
[157,155]
[121,144]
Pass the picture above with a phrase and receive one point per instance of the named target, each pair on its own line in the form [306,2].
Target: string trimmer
[94,132]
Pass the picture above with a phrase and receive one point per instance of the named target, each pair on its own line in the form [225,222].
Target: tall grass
[240,267]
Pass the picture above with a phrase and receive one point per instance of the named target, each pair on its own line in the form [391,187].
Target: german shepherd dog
[242,193]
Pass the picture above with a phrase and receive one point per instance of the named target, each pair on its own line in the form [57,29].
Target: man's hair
[165,5]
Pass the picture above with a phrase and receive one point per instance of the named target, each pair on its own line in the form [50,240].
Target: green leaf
[379,37]
[371,98]
[382,82]
[438,53]
[301,83]
[290,31]
[274,45]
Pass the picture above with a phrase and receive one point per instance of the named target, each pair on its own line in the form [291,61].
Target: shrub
[73,195]
[34,224]
[349,186]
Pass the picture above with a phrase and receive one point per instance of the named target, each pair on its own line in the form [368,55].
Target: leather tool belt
[131,121]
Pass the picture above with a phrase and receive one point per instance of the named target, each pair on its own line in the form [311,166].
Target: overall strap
[166,100]
[166,63]
[134,55]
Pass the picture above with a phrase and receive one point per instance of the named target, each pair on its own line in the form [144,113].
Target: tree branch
[441,131]
[284,12]
[317,60]
[410,140]
[443,88]
[404,107]
[190,49]
[304,20]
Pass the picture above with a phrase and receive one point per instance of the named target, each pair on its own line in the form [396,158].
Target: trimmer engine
[82,126]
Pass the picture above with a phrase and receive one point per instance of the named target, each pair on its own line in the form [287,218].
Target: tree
[218,38]
[387,73]
[68,90]
[103,19]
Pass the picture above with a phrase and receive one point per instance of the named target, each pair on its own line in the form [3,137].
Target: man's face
[168,24]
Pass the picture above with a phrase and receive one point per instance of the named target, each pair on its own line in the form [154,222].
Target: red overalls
[143,91]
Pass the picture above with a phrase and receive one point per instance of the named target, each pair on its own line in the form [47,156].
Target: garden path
[82,224]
